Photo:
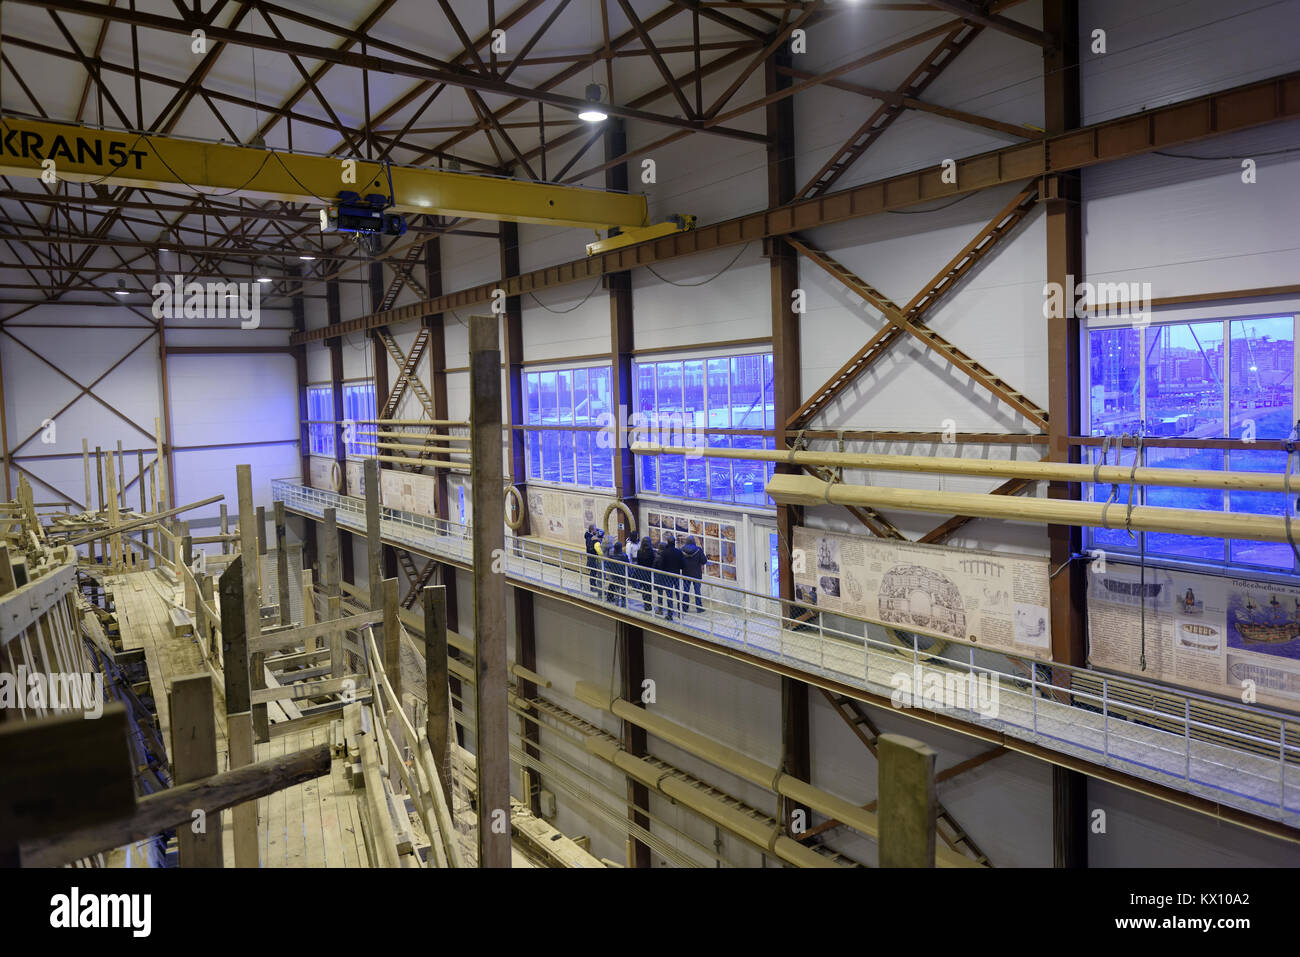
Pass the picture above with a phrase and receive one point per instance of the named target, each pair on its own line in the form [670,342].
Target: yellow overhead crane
[38,148]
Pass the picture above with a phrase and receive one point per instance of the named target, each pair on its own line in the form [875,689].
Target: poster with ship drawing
[992,600]
[564,516]
[1200,631]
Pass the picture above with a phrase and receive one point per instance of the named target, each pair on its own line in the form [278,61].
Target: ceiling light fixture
[307,257]
[263,279]
[593,113]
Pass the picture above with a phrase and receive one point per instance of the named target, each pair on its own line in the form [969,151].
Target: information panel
[564,516]
[989,599]
[1216,633]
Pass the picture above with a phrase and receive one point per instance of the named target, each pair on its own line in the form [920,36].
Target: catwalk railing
[1243,757]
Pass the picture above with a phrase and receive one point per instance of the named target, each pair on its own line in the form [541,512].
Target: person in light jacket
[592,537]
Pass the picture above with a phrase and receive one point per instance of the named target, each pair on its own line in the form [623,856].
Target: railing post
[1105,714]
[1187,737]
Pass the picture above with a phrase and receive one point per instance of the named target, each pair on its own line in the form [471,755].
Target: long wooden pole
[992,468]
[807,490]
[490,705]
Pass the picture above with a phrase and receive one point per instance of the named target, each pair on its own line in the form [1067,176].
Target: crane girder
[67,151]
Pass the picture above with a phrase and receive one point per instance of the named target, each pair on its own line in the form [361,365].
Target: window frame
[321,426]
[359,449]
[546,443]
[650,468]
[1226,564]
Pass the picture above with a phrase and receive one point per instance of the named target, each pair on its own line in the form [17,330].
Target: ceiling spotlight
[263,279]
[121,289]
[593,113]
[307,257]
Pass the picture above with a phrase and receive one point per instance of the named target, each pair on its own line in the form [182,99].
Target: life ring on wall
[518,522]
[609,510]
[336,477]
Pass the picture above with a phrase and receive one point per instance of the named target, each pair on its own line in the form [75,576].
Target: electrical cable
[705,282]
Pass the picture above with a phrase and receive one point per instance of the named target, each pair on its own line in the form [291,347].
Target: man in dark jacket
[615,564]
[645,563]
[693,562]
[667,565]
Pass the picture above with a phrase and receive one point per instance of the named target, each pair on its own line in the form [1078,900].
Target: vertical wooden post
[282,562]
[160,486]
[239,720]
[309,605]
[187,557]
[209,632]
[144,505]
[295,578]
[99,477]
[907,802]
[261,551]
[490,705]
[85,464]
[392,652]
[121,476]
[225,529]
[437,719]
[252,534]
[194,756]
[334,611]
[374,541]
[329,565]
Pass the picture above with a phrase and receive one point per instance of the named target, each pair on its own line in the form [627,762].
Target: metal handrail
[760,624]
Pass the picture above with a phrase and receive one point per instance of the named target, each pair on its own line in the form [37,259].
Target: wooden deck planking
[315,824]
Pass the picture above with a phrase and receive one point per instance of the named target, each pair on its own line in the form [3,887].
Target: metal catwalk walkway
[1245,758]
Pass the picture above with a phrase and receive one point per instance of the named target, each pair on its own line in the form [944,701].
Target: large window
[1218,379]
[573,413]
[320,410]
[724,401]
[359,408]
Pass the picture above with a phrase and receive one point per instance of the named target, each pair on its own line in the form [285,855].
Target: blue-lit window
[359,408]
[682,399]
[1214,379]
[571,410]
[320,410]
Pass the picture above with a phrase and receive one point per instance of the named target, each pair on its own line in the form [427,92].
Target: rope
[1132,485]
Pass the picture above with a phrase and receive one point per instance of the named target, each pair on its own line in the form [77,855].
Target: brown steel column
[629,638]
[299,314]
[334,313]
[525,625]
[387,554]
[796,746]
[1064,258]
[491,734]
[437,352]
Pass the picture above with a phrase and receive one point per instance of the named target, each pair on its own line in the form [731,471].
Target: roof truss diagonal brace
[916,83]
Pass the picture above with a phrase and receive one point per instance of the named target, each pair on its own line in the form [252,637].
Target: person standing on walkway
[668,566]
[645,561]
[693,562]
[593,562]
[615,564]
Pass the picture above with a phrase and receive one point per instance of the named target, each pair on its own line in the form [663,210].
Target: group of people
[613,568]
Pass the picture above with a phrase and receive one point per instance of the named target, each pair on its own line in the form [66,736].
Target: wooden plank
[194,757]
[63,773]
[295,636]
[308,689]
[175,806]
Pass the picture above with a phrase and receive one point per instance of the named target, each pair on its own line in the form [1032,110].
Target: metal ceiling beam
[976,13]
[1185,121]
[449,75]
